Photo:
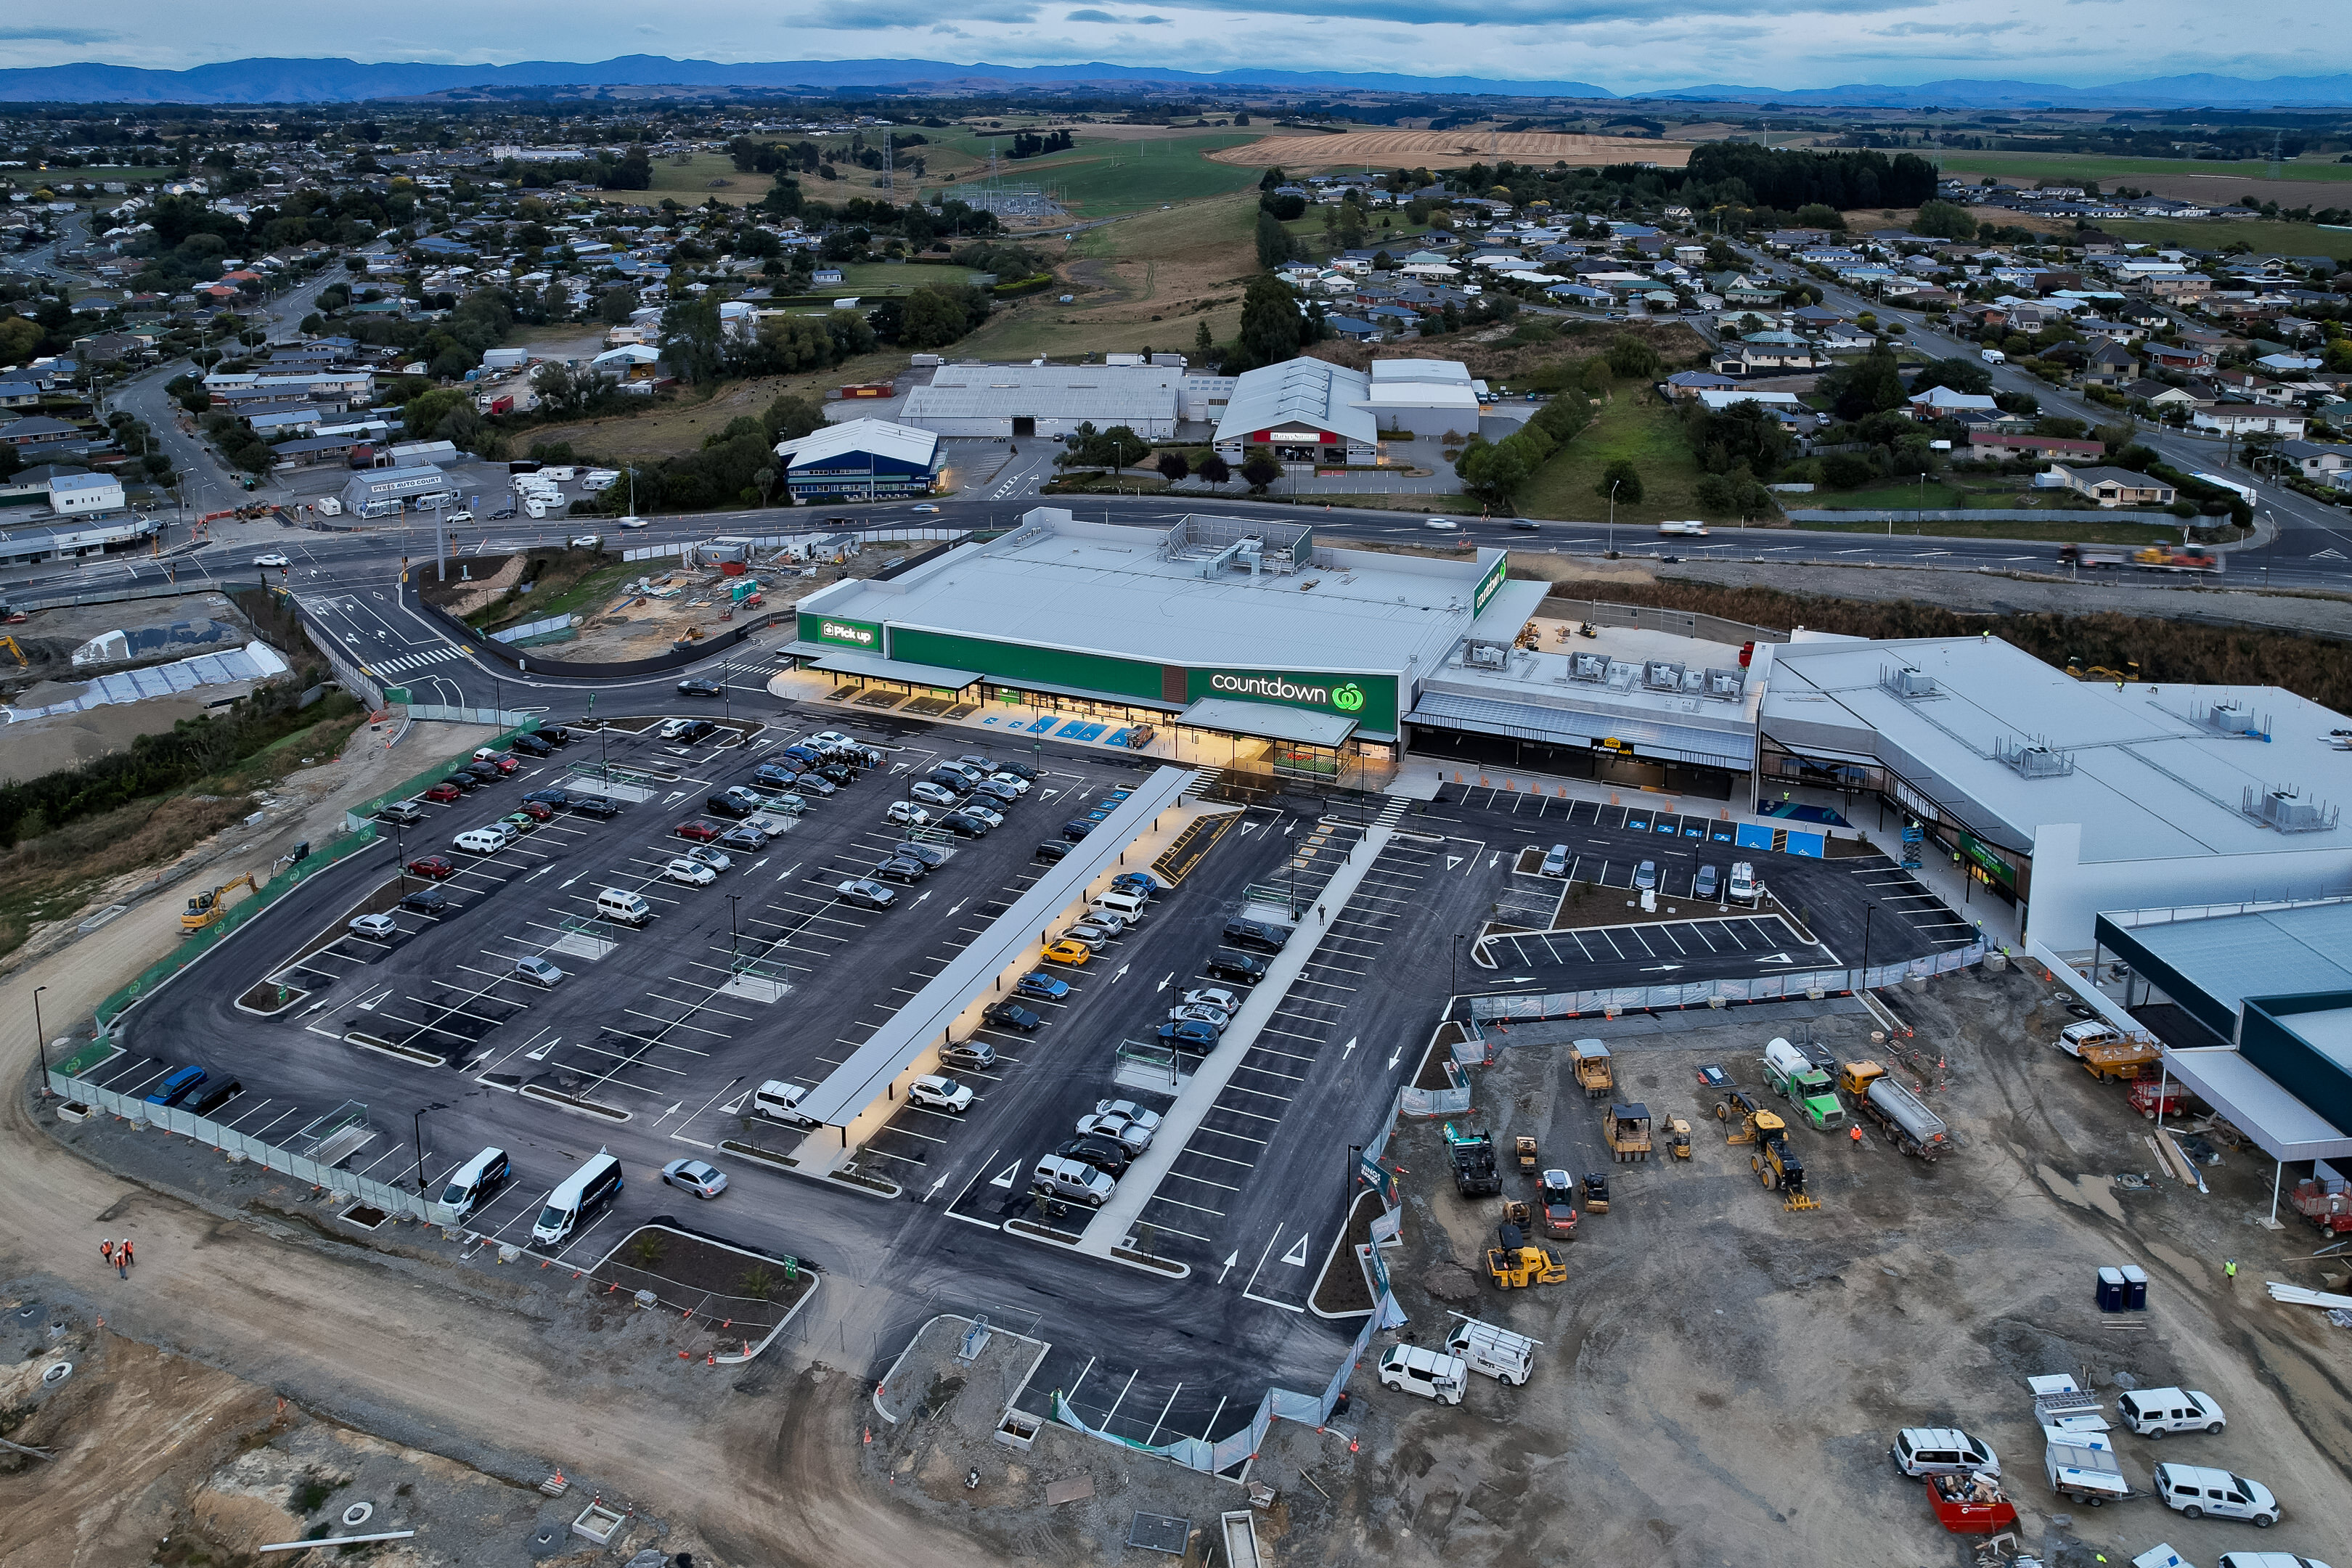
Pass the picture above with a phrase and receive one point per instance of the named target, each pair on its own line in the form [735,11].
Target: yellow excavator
[10,644]
[206,909]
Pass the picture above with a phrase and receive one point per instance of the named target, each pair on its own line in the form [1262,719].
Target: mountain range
[264,81]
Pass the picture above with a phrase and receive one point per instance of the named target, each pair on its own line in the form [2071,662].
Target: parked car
[987,814]
[404,811]
[1052,849]
[1010,780]
[1195,1034]
[1708,884]
[907,814]
[903,871]
[1213,996]
[550,796]
[744,836]
[700,1178]
[1556,860]
[375,928]
[1941,1451]
[964,824]
[717,860]
[1257,934]
[990,789]
[432,867]
[930,855]
[1108,1155]
[531,746]
[971,1056]
[810,784]
[865,893]
[836,773]
[692,873]
[1128,1111]
[1142,884]
[538,971]
[1217,1018]
[2196,1490]
[462,781]
[594,805]
[444,792]
[1227,964]
[934,1092]
[1134,1139]
[1645,877]
[522,821]
[774,775]
[700,831]
[1012,1015]
[177,1085]
[535,810]
[1077,828]
[1018,770]
[504,761]
[1068,949]
[1037,982]
[425,902]
[729,806]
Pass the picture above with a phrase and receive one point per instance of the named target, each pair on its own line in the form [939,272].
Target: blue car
[771,775]
[181,1083]
[1037,982]
[802,754]
[1190,1034]
[1140,883]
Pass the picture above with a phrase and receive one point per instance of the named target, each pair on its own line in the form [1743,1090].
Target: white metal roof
[1297,393]
[1421,370]
[902,443]
[2152,779]
[1107,394]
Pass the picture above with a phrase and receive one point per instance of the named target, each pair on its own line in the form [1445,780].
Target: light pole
[41,1038]
[436,1105]
[1612,517]
[732,952]
[1866,914]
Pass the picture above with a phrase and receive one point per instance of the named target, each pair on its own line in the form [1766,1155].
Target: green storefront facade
[1369,698]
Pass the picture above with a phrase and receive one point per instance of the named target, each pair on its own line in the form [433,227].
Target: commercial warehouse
[1271,649]
[1011,401]
[1310,412]
[381,491]
[2068,797]
[861,459]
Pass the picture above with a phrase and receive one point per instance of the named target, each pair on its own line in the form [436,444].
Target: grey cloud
[1090,16]
[50,35]
[885,14]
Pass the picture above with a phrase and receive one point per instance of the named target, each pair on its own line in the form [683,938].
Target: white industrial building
[2068,797]
[1424,396]
[1311,412]
[81,494]
[1010,401]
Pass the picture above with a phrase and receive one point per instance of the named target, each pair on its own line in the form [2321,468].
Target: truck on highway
[1804,1086]
[2094,555]
[2245,492]
[1908,1123]
[2177,558]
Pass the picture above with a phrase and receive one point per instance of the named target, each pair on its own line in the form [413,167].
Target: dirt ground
[1445,150]
[68,739]
[1720,1378]
[641,626]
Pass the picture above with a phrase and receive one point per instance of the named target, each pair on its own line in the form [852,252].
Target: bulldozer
[1589,1061]
[1676,1136]
[1627,1129]
[1777,1167]
[206,909]
[1755,1121]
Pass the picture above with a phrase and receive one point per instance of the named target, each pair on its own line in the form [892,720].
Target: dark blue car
[181,1083]
[1012,1015]
[773,776]
[1190,1034]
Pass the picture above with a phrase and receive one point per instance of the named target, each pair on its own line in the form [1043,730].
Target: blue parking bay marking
[1117,738]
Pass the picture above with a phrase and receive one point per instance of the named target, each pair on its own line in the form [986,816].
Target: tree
[1274,246]
[1847,471]
[1630,357]
[1492,472]
[1258,472]
[1270,322]
[614,306]
[691,339]
[1214,471]
[789,418]
[424,412]
[1869,385]
[933,317]
[1962,375]
[1944,220]
[1173,466]
[1204,343]
[1621,480]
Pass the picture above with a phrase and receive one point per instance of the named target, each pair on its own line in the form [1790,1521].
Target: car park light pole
[732,954]
[436,1105]
[41,1038]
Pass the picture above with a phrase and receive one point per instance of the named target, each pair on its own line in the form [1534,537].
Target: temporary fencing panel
[1701,992]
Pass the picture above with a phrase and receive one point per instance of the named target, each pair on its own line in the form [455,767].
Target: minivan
[1126,906]
[1057,1178]
[781,1102]
[2152,1412]
[580,1194]
[619,904]
[181,1083]
[2196,1491]
[1941,1451]
[1744,888]
[1424,1371]
[474,1183]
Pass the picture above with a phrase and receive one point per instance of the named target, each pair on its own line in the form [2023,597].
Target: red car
[536,811]
[432,866]
[445,792]
[504,761]
[700,831]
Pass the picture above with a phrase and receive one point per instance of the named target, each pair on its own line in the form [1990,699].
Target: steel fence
[355,680]
[392,1200]
[1705,993]
[514,724]
[533,629]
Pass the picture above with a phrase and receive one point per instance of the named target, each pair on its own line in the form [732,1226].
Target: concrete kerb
[1109,1227]
[883,1386]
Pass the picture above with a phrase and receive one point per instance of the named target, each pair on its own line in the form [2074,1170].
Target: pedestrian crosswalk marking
[416,660]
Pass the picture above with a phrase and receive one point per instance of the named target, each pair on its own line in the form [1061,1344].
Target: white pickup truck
[1694,528]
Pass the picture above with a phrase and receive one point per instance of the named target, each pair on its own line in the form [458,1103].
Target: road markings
[1452,862]
[1775,958]
[1347,1049]
[1231,1258]
[1163,984]
[1650,969]
[1297,1256]
[1395,1057]
[1004,1178]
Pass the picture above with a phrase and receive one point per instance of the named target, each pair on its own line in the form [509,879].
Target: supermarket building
[1243,635]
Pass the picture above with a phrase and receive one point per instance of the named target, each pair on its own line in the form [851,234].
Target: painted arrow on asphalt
[1775,958]
[1661,968]
[1288,828]
[1120,973]
[1230,1259]
[1163,984]
[1493,859]
[1347,1049]
[957,904]
[935,1189]
[1454,860]
[1395,1057]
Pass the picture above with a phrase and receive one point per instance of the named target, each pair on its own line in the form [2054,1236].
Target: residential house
[1687,384]
[19,394]
[2315,460]
[1992,445]
[2188,359]
[2247,419]
[2109,363]
[2111,488]
[1938,402]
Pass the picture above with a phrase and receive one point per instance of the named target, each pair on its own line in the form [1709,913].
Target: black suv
[697,730]
[426,902]
[1104,1154]
[930,855]
[1257,934]
[722,806]
[553,734]
[531,746]
[464,780]
[898,870]
[1054,849]
[1227,964]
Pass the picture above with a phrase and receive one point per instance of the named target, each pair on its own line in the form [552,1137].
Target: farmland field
[2220,233]
[1448,149]
[2131,171]
[1632,425]
[1101,178]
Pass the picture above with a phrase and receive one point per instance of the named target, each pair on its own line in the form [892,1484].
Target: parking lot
[1658,953]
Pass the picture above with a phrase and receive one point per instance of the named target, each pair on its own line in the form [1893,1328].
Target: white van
[481,841]
[1942,1451]
[1497,1352]
[2089,1032]
[329,506]
[1126,906]
[1992,356]
[2196,1491]
[781,1102]
[2265,1560]
[2152,1412]
[1425,1372]
[472,1185]
[592,1184]
[619,904]
[1694,528]
[1744,889]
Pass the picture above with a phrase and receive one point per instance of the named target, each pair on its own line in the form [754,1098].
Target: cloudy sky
[1622,45]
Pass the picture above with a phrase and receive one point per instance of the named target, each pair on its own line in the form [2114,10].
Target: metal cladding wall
[2266,1037]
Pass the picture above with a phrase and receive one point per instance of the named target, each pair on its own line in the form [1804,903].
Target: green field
[895,278]
[1633,426]
[2130,171]
[1099,179]
[2088,530]
[2220,233]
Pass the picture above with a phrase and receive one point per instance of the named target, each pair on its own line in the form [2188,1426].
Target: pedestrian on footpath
[105,1249]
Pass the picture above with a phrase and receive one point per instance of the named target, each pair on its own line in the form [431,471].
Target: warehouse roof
[2274,951]
[1102,588]
[1108,395]
[900,443]
[2149,773]
[1298,393]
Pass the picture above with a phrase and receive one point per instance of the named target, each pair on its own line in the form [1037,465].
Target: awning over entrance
[2255,1103]
[873,666]
[1733,750]
[1269,720]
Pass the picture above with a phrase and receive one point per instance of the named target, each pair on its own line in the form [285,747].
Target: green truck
[1805,1087]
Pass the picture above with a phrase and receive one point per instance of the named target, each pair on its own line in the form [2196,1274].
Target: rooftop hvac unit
[1588,666]
[1622,676]
[1908,683]
[1726,685]
[2033,759]
[2234,718]
[1486,655]
[2286,811]
[1694,681]
[1663,675]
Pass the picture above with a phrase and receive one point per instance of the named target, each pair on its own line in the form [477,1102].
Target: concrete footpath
[1111,1223]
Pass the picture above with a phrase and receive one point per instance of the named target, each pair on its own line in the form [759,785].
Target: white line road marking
[1395,1057]
[1163,984]
[1348,1049]
[1231,1258]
